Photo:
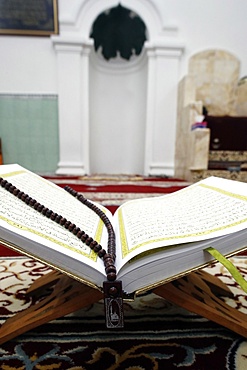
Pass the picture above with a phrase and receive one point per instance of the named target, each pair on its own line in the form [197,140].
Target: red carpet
[112,191]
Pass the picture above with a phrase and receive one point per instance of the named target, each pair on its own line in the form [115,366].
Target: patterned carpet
[157,335]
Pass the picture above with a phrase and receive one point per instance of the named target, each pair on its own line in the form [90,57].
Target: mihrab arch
[74,51]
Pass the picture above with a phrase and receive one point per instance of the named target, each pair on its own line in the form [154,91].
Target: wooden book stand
[197,292]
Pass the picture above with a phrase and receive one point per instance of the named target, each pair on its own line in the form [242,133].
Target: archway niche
[116,116]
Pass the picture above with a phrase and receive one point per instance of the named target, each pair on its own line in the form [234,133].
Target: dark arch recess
[119,30]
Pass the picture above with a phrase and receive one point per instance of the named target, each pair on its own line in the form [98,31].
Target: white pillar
[163,71]
[73,104]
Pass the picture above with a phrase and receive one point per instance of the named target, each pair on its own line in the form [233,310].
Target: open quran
[157,239]
[160,244]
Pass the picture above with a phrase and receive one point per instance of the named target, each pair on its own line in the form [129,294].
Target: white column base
[160,169]
[71,168]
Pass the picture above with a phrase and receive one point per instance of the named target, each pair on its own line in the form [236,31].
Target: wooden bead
[16,192]
[28,200]
[71,227]
[44,210]
[36,205]
[40,207]
[93,244]
[76,230]
[48,213]
[88,241]
[84,237]
[97,248]
[108,262]
[110,268]
[32,202]
[3,182]
[80,233]
[102,252]
[53,216]
[62,221]
[107,255]
[7,185]
[12,188]
[111,276]
[58,219]
[67,224]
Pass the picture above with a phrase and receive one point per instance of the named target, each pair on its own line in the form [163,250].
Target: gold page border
[138,291]
[123,234]
[184,273]
[98,234]
[48,263]
[225,192]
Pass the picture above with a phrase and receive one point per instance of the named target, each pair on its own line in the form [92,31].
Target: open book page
[22,221]
[207,209]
